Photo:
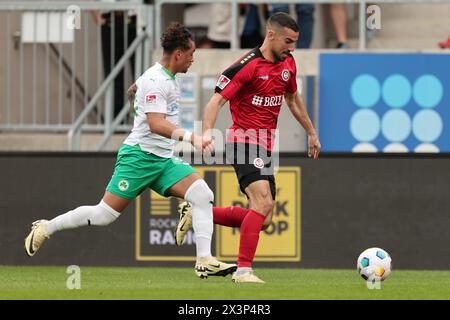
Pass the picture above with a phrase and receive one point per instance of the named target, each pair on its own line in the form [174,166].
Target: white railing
[58,85]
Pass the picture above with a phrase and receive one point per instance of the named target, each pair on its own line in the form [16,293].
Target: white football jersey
[158,91]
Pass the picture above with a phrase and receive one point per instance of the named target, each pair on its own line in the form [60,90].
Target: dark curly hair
[176,36]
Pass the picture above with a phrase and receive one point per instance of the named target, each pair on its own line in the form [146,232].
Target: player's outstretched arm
[211,111]
[158,124]
[209,120]
[298,109]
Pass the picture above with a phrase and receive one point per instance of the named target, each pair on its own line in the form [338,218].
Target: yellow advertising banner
[281,240]
[156,218]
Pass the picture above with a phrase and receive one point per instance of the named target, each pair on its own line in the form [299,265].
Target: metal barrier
[53,77]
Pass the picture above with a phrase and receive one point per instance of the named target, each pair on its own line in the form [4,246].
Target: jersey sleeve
[153,98]
[292,82]
[232,79]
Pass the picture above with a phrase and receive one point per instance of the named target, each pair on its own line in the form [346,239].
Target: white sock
[99,215]
[201,198]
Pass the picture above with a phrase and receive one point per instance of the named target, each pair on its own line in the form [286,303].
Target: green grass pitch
[181,283]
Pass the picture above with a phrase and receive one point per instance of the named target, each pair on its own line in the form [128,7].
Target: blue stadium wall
[385,102]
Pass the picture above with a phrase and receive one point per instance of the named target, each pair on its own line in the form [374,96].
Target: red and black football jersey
[255,87]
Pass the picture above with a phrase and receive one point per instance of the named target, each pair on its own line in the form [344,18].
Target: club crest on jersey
[285,75]
[258,163]
[222,82]
[150,99]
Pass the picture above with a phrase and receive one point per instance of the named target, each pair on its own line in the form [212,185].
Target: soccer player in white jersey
[146,159]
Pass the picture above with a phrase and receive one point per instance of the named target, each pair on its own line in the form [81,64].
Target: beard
[186,69]
[281,56]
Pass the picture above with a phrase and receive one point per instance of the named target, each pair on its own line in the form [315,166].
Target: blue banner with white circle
[384,102]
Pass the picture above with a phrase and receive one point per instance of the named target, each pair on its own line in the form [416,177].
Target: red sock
[229,216]
[250,228]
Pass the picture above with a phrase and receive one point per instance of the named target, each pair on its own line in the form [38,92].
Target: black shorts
[251,163]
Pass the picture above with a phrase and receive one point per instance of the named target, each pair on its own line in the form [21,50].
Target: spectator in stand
[115,21]
[251,34]
[219,29]
[338,13]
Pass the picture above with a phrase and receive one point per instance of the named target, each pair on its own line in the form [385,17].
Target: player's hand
[208,145]
[313,146]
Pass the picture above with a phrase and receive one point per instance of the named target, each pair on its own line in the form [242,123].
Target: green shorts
[136,170]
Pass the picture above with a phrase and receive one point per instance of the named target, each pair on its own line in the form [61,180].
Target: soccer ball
[374,264]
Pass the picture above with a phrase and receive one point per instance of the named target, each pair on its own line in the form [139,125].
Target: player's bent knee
[261,200]
[267,206]
[102,215]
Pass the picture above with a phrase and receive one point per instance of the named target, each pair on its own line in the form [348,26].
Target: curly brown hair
[176,36]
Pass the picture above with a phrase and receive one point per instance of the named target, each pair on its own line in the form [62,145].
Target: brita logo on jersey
[274,101]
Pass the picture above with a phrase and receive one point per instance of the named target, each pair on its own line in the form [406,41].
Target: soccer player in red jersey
[255,86]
